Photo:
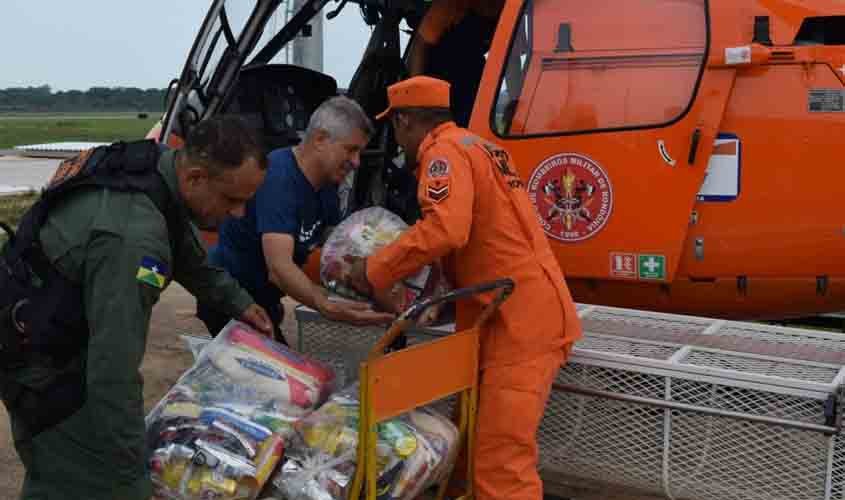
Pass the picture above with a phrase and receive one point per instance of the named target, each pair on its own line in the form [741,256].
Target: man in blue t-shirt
[288,217]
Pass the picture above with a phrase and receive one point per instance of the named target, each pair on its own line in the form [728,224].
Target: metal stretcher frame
[833,391]
[678,406]
[699,408]
[390,385]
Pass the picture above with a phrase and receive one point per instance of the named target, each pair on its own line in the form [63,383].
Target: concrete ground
[20,172]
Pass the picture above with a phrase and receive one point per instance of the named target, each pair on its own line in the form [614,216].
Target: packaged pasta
[220,431]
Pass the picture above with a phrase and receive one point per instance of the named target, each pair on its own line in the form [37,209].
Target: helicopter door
[610,116]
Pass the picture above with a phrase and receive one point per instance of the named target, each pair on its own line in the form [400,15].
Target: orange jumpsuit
[477,217]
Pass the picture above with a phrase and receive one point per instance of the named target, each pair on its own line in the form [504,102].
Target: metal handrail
[409,317]
[659,403]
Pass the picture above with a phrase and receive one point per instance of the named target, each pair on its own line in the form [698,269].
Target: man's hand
[258,318]
[356,277]
[356,313]
[389,299]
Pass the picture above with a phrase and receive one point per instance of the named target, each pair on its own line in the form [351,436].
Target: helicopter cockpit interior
[278,99]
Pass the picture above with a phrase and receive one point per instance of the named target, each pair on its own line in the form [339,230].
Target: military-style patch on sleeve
[152,272]
[437,190]
[439,167]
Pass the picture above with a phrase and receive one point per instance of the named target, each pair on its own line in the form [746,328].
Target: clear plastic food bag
[219,432]
[362,234]
[414,451]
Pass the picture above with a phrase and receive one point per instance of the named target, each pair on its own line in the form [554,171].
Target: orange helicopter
[682,154]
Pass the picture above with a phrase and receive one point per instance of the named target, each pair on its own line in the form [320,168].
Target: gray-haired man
[285,220]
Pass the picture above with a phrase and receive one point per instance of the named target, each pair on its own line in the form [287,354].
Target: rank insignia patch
[152,272]
[438,190]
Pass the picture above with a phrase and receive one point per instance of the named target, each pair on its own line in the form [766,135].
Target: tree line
[95,99]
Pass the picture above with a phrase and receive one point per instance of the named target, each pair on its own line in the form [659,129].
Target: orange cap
[417,92]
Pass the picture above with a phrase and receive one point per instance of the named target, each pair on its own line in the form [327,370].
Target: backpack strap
[138,157]
[120,166]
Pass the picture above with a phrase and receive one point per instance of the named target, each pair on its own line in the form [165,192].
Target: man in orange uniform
[450,44]
[477,217]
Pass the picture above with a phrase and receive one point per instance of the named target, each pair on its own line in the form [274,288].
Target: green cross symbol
[652,267]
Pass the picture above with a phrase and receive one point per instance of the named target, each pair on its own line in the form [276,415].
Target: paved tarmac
[25,174]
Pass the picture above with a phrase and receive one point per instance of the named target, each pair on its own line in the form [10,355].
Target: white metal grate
[592,438]
[606,379]
[631,348]
[652,321]
[345,347]
[775,368]
[785,336]
[341,346]
[708,448]
[837,476]
[719,458]
[748,401]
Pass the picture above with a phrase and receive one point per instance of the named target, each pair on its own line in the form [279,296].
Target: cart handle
[409,317]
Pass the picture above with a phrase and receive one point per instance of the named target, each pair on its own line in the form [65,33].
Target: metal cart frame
[391,385]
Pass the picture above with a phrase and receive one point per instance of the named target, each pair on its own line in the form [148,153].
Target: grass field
[19,129]
[12,208]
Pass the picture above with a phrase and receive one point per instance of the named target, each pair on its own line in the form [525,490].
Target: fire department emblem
[573,196]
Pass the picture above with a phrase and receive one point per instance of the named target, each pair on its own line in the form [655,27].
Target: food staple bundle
[414,451]
[361,235]
[219,432]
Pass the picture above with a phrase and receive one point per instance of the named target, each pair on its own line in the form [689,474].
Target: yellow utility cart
[391,383]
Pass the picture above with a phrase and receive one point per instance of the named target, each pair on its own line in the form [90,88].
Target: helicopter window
[579,66]
[237,15]
[213,50]
[828,30]
[227,30]
[515,70]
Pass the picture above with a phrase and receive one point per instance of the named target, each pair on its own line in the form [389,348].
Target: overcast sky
[85,43]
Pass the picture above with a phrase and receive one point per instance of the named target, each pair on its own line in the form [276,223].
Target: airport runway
[18,174]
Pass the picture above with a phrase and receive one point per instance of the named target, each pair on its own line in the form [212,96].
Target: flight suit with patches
[478,218]
[101,238]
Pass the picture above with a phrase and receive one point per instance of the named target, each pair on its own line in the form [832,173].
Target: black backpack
[41,310]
